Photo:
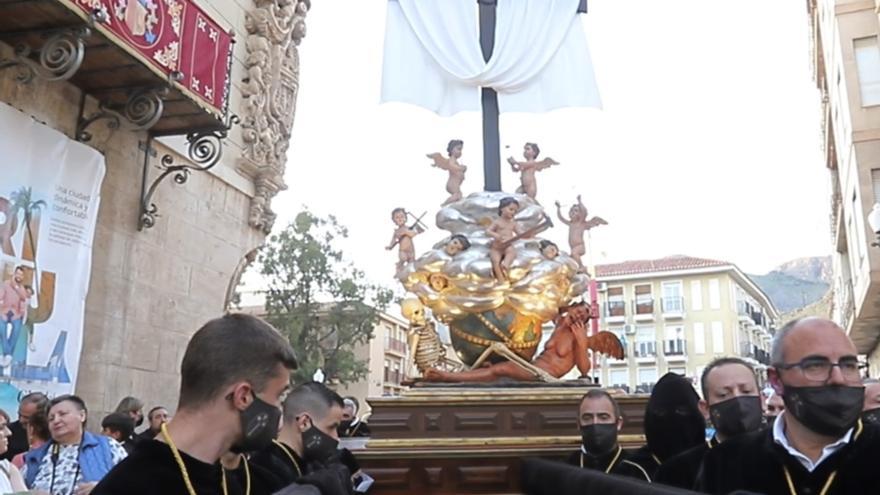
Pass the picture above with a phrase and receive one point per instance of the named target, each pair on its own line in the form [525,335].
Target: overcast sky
[708,143]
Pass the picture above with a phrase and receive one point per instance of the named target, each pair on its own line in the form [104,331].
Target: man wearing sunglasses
[817,445]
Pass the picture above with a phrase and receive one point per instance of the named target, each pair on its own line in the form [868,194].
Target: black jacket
[754,462]
[622,465]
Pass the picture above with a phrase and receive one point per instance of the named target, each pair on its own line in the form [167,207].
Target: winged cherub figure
[528,168]
[450,164]
[577,225]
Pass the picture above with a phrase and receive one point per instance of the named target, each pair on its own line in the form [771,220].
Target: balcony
[645,352]
[643,309]
[614,311]
[395,346]
[164,68]
[744,312]
[675,350]
[673,307]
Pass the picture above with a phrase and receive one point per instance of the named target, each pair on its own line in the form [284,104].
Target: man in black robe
[600,420]
[732,401]
[818,445]
[673,422]
[352,425]
[871,410]
[307,442]
[234,374]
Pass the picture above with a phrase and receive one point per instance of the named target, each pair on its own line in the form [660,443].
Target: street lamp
[874,222]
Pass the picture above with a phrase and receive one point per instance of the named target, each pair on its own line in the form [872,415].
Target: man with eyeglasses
[818,445]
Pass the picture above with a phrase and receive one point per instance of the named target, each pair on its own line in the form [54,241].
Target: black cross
[491,136]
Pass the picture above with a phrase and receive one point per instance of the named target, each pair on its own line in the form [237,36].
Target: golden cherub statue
[577,226]
[451,164]
[528,168]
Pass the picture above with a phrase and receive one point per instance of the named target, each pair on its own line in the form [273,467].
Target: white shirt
[780,438]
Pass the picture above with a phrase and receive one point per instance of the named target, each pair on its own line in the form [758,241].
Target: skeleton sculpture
[424,341]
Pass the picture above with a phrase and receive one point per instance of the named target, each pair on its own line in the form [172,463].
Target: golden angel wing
[606,343]
[439,160]
[595,222]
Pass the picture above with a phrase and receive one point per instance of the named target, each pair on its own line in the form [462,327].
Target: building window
[678,371]
[717,337]
[672,300]
[674,344]
[696,295]
[857,227]
[646,342]
[714,294]
[875,182]
[616,305]
[867,55]
[387,376]
[699,338]
[644,300]
[619,379]
[647,377]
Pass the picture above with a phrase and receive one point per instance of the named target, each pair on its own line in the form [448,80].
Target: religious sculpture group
[496,284]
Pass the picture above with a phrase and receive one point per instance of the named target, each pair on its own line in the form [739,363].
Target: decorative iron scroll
[204,151]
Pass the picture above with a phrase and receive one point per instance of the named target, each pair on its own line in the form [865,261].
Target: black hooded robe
[673,422]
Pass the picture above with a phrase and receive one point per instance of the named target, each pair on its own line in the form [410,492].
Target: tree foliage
[322,303]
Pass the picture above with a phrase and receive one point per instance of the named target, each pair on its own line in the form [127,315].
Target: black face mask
[318,446]
[599,439]
[871,416]
[259,426]
[344,425]
[828,410]
[139,421]
[737,415]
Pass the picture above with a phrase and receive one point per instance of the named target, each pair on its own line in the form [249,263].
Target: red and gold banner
[171,35]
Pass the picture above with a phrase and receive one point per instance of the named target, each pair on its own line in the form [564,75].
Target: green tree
[322,303]
[23,200]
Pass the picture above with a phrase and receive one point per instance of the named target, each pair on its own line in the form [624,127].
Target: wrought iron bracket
[58,58]
[141,111]
[204,151]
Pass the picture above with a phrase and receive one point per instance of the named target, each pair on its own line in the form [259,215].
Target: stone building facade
[151,288]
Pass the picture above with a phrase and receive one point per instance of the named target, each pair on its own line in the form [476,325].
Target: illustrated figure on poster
[451,164]
[403,236]
[32,302]
[577,226]
[528,168]
[13,311]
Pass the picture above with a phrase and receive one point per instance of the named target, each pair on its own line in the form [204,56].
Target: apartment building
[846,69]
[676,314]
[388,358]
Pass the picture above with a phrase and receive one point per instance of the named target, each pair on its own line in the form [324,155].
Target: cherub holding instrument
[456,170]
[577,225]
[403,235]
[503,230]
[528,168]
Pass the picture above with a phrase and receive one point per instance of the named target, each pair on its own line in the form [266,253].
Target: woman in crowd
[37,434]
[73,460]
[10,479]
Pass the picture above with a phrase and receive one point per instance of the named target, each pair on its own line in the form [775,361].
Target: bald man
[818,445]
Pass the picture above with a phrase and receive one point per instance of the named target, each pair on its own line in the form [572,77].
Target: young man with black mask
[234,375]
[673,422]
[732,401]
[352,425]
[818,445]
[600,420]
[306,448]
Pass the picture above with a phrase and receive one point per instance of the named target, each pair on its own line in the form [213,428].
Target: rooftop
[669,263]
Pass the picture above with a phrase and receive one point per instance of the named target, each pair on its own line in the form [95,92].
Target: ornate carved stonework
[275,29]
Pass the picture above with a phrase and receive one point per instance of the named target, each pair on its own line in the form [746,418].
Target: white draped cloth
[540,60]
